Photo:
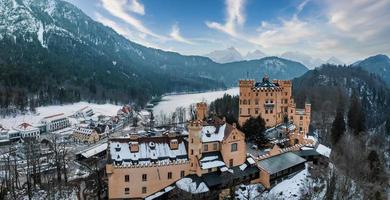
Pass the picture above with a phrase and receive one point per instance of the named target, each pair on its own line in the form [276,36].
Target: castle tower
[245,100]
[201,111]
[195,145]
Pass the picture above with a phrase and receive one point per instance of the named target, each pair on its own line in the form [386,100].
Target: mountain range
[309,61]
[231,54]
[57,54]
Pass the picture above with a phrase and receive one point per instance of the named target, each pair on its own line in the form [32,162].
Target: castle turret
[245,99]
[201,111]
[195,145]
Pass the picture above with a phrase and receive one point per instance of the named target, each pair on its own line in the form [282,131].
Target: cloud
[235,17]
[137,7]
[175,35]
[361,19]
[289,32]
[348,29]
[118,9]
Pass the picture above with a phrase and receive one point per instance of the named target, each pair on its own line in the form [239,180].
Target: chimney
[201,111]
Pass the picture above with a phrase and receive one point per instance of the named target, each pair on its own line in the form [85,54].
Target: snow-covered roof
[250,160]
[150,149]
[243,166]
[83,130]
[211,160]
[211,134]
[188,185]
[94,150]
[300,111]
[48,119]
[160,193]
[26,127]
[323,150]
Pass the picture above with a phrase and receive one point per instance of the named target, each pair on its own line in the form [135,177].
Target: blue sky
[349,29]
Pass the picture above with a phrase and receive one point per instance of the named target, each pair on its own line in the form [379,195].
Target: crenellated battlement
[246,83]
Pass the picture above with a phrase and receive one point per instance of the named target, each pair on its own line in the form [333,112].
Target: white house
[27,130]
[55,122]
[84,112]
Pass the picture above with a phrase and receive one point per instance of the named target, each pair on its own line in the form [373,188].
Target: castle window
[266,94]
[291,111]
[127,190]
[266,111]
[169,175]
[300,129]
[267,120]
[182,174]
[240,110]
[143,190]
[205,147]
[233,147]
[257,102]
[285,93]
[215,146]
[285,109]
[249,102]
[271,94]
[240,101]
[257,94]
[144,177]
[192,140]
[271,111]
[301,117]
[256,111]
[244,101]
[231,163]
[127,178]
[249,111]
[192,152]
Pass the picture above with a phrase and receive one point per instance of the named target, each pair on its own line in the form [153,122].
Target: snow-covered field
[68,109]
[171,102]
[288,189]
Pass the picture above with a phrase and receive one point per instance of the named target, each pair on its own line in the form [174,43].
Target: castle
[272,100]
[212,155]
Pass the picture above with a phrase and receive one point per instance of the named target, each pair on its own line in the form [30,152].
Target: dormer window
[118,148]
[134,147]
[152,145]
[173,144]
[208,134]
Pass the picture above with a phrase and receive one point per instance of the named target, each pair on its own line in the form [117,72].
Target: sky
[347,29]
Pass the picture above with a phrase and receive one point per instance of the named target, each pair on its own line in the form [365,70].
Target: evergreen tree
[254,129]
[338,125]
[356,118]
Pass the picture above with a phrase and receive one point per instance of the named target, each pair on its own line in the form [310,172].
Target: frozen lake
[171,102]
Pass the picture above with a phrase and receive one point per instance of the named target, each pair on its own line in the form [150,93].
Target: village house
[84,112]
[83,133]
[27,131]
[55,122]
[272,100]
